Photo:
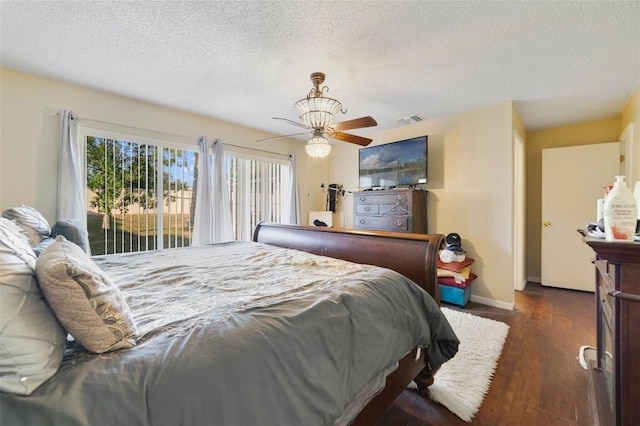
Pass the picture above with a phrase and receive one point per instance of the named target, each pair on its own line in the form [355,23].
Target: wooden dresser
[614,378]
[398,210]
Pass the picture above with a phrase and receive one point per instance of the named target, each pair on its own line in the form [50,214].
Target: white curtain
[204,202]
[294,206]
[72,193]
[223,227]
[212,216]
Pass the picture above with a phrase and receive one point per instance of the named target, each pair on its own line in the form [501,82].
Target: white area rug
[464,380]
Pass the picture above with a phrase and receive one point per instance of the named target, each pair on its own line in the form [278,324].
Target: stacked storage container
[454,272]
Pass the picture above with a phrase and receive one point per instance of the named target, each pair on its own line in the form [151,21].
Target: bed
[295,327]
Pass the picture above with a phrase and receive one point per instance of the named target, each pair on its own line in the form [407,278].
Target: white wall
[470,185]
[29,137]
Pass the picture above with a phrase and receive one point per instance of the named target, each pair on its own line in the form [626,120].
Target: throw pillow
[85,300]
[31,221]
[73,231]
[32,341]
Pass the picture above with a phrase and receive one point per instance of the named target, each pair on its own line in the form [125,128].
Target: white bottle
[620,212]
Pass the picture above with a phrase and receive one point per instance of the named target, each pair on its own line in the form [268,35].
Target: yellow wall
[470,185]
[30,132]
[631,120]
[591,132]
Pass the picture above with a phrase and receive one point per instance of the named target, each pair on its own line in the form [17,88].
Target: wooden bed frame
[412,255]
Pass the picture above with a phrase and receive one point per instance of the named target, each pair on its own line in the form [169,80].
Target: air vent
[410,119]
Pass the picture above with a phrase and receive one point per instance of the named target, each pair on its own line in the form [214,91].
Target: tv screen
[401,163]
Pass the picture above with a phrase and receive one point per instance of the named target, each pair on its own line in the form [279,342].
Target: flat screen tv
[395,164]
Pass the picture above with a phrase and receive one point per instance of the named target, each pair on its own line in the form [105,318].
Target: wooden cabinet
[614,377]
[398,210]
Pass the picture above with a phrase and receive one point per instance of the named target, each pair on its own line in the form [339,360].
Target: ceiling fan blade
[356,123]
[295,123]
[280,137]
[346,137]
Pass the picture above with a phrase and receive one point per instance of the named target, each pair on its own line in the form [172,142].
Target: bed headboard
[412,255]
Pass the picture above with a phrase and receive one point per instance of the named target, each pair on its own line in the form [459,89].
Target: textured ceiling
[244,62]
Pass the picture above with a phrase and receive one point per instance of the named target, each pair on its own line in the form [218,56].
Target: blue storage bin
[455,295]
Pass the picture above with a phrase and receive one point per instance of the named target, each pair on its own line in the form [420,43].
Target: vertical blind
[141,195]
[257,190]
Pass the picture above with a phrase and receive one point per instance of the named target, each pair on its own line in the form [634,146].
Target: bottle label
[620,220]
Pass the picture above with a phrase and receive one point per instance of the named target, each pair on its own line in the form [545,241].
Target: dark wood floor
[538,380]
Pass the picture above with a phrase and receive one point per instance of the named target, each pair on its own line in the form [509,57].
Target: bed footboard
[412,255]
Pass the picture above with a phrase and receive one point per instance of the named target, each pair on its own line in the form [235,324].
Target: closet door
[572,181]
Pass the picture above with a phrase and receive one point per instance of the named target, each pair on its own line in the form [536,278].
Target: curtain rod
[74,116]
[256,149]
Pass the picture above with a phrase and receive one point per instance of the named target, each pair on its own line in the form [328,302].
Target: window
[141,196]
[259,190]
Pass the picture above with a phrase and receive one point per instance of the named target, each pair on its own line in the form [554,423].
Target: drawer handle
[398,223]
[362,221]
[367,209]
[362,198]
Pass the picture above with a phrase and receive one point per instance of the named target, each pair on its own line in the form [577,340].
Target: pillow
[32,341]
[73,231]
[85,300]
[43,244]
[34,225]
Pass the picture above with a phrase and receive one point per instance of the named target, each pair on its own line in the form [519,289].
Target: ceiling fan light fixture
[318,147]
[317,116]
[317,112]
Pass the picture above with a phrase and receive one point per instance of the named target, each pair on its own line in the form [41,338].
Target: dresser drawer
[382,209]
[607,306]
[367,208]
[394,209]
[387,198]
[607,285]
[387,223]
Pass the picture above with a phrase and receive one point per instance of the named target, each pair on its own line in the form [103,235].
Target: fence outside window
[141,194]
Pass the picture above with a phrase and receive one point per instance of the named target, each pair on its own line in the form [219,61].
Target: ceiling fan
[317,115]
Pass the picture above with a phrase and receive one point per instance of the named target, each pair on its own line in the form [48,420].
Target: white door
[572,181]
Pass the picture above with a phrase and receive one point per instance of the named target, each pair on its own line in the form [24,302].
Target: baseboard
[492,302]
[534,279]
